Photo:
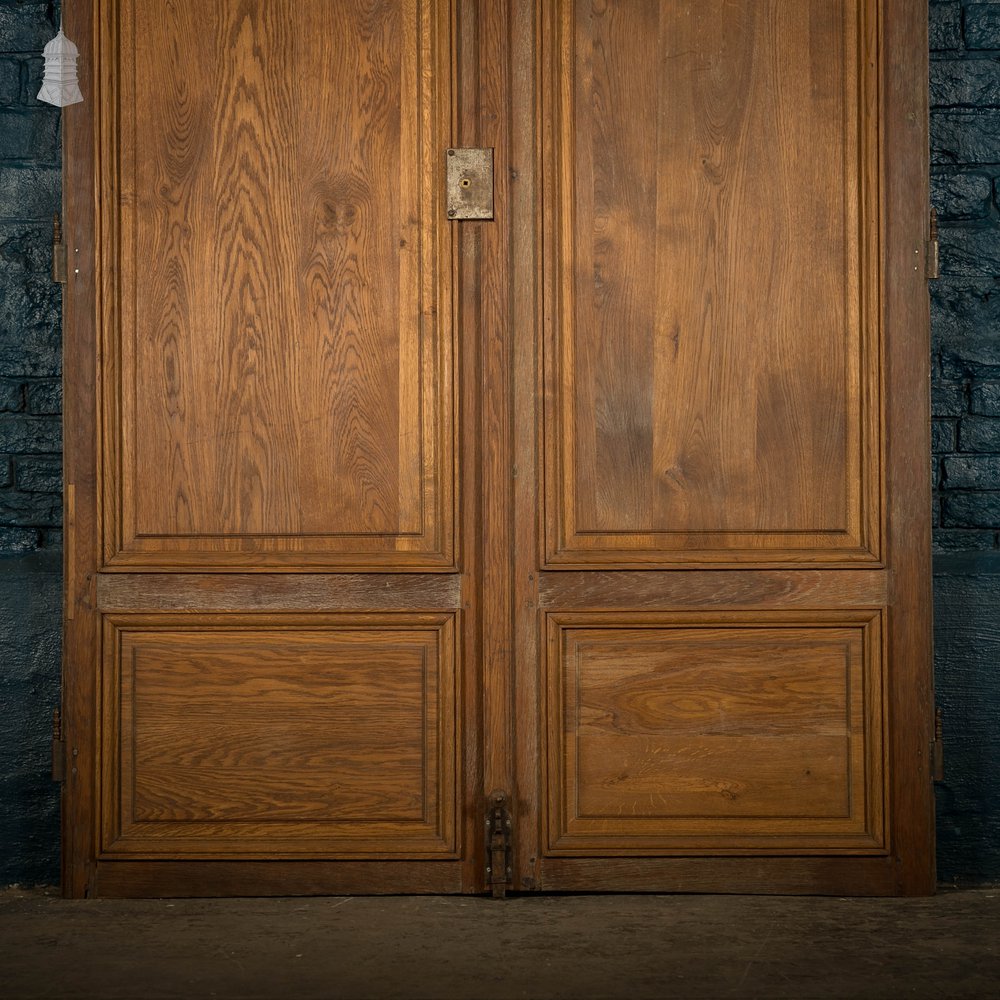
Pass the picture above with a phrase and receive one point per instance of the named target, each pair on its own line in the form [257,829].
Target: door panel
[319,735]
[285,328]
[733,731]
[711,376]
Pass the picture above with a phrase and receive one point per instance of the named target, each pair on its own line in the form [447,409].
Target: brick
[973,83]
[971,510]
[45,397]
[52,538]
[975,355]
[960,309]
[27,27]
[24,435]
[946,26]
[947,399]
[970,253]
[30,341]
[30,510]
[984,398]
[10,81]
[963,540]
[29,135]
[982,26]
[965,137]
[6,472]
[973,472]
[32,82]
[942,436]
[29,192]
[18,541]
[11,396]
[961,196]
[975,434]
[38,475]
[25,247]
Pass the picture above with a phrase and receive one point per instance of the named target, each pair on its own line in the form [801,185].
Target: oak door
[614,503]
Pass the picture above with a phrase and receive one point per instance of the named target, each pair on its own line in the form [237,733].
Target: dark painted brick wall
[965,303]
[30,443]
[965,89]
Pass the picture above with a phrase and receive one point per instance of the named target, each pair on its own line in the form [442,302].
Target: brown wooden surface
[141,879]
[775,366]
[285,329]
[732,731]
[321,735]
[651,442]
[711,360]
[278,592]
[81,634]
[904,112]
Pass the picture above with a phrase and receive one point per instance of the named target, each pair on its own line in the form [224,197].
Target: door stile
[907,334]
[530,137]
[498,593]
[467,283]
[81,123]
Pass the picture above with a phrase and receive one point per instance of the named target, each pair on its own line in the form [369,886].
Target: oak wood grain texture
[727,731]
[818,876]
[904,112]
[712,383]
[712,588]
[466,31]
[242,735]
[81,626]
[282,385]
[529,137]
[494,318]
[178,879]
[278,592]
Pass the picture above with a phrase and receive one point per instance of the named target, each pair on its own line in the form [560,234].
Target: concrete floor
[434,947]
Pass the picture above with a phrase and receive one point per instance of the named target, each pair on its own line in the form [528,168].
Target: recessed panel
[329,734]
[707,732]
[713,389]
[283,317]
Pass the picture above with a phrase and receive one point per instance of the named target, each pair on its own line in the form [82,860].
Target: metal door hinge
[470,183]
[933,255]
[58,748]
[937,748]
[58,251]
[499,846]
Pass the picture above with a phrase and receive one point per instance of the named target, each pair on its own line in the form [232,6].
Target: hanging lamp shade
[59,85]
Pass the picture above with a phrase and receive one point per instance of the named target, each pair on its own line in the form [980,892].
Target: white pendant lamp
[59,85]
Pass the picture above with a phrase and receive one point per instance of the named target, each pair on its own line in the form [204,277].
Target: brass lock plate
[470,183]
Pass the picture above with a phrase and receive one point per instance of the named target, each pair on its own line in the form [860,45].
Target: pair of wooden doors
[616,503]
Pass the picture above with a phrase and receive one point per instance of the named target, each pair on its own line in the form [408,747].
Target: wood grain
[237,733]
[735,728]
[711,355]
[287,384]
[904,111]
[279,592]
[692,381]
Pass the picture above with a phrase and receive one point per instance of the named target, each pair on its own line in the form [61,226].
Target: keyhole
[466,182]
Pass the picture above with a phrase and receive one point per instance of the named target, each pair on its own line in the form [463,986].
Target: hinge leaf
[58,748]
[933,255]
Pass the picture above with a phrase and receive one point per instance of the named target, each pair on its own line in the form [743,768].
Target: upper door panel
[712,319]
[279,305]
